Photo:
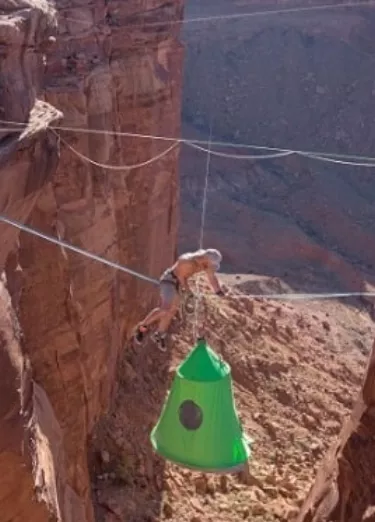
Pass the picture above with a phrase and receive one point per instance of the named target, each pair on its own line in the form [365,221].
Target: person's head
[214,256]
[202,256]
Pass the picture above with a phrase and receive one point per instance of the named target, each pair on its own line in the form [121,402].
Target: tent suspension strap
[201,232]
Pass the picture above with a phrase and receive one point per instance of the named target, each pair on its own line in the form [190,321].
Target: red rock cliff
[28,159]
[107,72]
[344,486]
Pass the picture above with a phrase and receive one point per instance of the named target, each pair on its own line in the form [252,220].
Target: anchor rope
[273,296]
[76,249]
[355,160]
[202,227]
[116,167]
[235,16]
[117,266]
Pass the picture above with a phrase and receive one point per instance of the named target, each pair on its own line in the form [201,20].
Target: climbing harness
[187,303]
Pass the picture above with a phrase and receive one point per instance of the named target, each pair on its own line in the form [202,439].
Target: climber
[172,282]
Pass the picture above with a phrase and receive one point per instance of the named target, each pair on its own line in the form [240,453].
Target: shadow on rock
[127,476]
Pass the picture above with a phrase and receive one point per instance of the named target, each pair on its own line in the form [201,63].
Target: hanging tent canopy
[199,427]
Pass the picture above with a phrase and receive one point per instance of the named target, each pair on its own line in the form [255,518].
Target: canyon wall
[28,159]
[296,80]
[344,485]
[109,70]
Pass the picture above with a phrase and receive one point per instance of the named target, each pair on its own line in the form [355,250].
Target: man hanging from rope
[172,281]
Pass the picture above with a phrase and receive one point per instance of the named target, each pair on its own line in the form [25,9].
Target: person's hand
[187,293]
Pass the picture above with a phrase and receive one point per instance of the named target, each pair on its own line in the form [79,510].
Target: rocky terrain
[302,81]
[297,369]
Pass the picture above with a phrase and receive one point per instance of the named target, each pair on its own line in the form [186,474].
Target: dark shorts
[169,288]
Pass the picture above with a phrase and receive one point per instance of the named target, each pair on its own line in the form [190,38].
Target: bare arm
[213,280]
[184,284]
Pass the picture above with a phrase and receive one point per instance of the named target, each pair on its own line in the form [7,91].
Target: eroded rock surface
[28,157]
[344,486]
[109,73]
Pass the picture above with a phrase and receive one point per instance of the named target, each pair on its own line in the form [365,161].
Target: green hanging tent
[199,427]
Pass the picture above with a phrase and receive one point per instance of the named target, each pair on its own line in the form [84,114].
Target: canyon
[300,81]
[78,399]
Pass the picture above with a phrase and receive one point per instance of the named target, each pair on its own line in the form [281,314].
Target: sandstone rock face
[28,158]
[301,81]
[344,486]
[107,72]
